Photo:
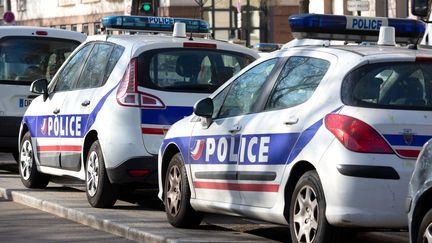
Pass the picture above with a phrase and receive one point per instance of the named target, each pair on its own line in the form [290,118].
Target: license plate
[24,102]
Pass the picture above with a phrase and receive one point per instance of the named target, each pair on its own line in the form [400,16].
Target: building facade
[250,21]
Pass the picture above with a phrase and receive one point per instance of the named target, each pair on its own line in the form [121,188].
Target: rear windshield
[31,58]
[189,70]
[406,86]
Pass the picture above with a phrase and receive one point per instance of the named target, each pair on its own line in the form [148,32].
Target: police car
[317,137]
[103,117]
[27,54]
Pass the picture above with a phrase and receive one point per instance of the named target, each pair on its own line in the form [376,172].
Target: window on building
[97,28]
[74,27]
[85,29]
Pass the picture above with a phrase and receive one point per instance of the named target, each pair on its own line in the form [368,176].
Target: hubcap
[26,159]
[174,190]
[92,173]
[427,236]
[306,214]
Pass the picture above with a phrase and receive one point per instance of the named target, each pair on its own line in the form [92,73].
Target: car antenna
[190,36]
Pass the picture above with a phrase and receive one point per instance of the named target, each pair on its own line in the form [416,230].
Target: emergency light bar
[353,28]
[153,24]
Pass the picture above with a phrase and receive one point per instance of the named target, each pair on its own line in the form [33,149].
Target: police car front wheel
[177,196]
[30,176]
[100,192]
[307,212]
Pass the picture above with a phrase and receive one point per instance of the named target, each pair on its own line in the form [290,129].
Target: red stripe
[408,153]
[238,187]
[154,131]
[58,148]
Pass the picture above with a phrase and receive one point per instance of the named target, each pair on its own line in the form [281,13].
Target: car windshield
[189,70]
[406,86]
[31,58]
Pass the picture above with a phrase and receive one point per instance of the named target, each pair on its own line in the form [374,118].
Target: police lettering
[156,20]
[251,149]
[64,126]
[366,24]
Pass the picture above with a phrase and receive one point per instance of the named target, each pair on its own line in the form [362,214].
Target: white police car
[26,54]
[103,117]
[317,137]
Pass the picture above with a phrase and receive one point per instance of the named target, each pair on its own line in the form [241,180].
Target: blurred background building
[245,21]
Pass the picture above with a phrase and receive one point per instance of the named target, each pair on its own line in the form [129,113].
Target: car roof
[140,40]
[50,32]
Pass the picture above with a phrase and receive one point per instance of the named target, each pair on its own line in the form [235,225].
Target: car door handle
[85,103]
[235,129]
[291,121]
[56,111]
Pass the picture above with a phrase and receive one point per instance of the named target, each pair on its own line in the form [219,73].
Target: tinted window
[71,71]
[297,81]
[245,90]
[94,70]
[189,70]
[30,58]
[114,57]
[390,85]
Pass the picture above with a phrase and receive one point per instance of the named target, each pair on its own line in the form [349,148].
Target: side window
[71,71]
[297,81]
[245,90]
[94,70]
[218,100]
[112,61]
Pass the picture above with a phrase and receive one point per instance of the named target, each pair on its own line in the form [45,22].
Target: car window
[218,100]
[189,70]
[71,71]
[94,69]
[390,85]
[298,80]
[31,58]
[245,89]
[112,61]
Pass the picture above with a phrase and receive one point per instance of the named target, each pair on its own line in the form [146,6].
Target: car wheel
[100,192]
[307,212]
[30,176]
[425,231]
[177,196]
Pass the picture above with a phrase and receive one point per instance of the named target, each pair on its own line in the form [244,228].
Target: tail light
[128,94]
[356,135]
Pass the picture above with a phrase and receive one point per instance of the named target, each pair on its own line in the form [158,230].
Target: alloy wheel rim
[26,159]
[306,215]
[174,190]
[427,236]
[92,173]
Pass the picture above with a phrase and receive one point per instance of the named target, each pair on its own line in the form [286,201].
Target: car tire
[307,212]
[30,176]
[425,230]
[177,196]
[100,192]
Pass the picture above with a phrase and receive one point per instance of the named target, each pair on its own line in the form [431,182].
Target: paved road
[146,220]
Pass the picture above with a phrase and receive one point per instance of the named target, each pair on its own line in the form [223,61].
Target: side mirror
[40,86]
[420,8]
[204,108]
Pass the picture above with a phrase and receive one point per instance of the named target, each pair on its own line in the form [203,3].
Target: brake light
[423,59]
[128,94]
[199,45]
[40,32]
[356,135]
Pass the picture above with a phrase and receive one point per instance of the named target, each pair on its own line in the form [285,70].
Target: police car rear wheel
[100,192]
[177,196]
[307,212]
[30,176]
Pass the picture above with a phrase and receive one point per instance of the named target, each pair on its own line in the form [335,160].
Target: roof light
[353,28]
[386,36]
[179,30]
[153,24]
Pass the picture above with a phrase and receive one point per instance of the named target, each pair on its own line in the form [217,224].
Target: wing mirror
[40,86]
[420,8]
[204,108]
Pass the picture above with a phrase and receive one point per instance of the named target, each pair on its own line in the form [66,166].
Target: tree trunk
[303,6]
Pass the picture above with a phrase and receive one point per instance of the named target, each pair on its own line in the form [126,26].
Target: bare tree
[304,6]
[201,4]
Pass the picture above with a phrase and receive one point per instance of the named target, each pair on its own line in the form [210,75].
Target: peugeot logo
[408,136]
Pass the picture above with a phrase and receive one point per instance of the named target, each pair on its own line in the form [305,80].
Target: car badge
[408,136]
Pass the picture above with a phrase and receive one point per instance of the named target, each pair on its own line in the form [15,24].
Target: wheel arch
[90,137]
[169,152]
[422,205]
[296,172]
[23,131]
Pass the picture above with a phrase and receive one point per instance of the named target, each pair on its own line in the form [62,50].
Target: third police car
[317,137]
[103,116]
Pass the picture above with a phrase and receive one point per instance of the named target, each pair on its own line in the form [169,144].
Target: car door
[215,147]
[81,104]
[274,134]
[53,121]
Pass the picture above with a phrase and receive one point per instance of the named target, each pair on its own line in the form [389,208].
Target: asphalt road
[140,216]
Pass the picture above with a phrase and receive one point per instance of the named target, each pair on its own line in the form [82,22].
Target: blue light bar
[153,24]
[266,47]
[353,28]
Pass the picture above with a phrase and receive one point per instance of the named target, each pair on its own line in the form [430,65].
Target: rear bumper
[138,170]
[9,130]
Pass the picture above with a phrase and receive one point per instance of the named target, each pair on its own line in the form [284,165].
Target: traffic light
[146,7]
